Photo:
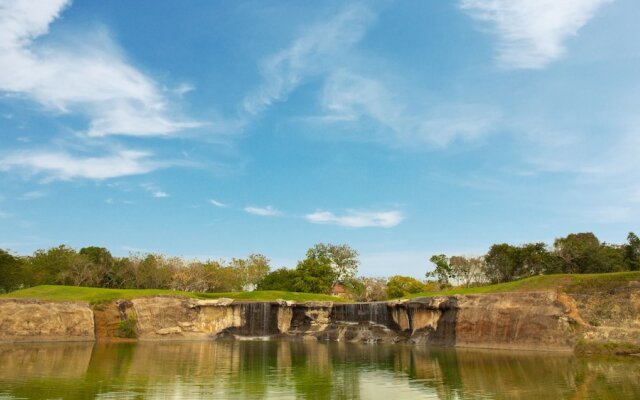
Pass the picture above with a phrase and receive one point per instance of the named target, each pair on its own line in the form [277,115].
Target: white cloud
[32,195]
[351,97]
[61,165]
[160,194]
[532,32]
[154,190]
[357,219]
[89,76]
[312,53]
[267,211]
[4,215]
[217,203]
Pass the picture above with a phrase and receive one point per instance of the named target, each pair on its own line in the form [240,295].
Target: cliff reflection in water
[283,369]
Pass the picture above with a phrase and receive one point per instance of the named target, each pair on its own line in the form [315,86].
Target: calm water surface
[288,370]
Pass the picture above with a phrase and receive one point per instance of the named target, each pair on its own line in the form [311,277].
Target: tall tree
[11,272]
[279,279]
[442,271]
[502,262]
[399,286]
[312,275]
[467,270]
[340,257]
[250,271]
[632,252]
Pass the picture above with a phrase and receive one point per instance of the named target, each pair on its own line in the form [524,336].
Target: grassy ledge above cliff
[100,295]
[569,283]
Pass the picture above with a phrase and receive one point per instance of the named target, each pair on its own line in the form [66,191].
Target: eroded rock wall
[164,317]
[523,321]
[532,320]
[612,316]
[37,321]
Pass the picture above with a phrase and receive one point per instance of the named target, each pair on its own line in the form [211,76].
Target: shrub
[127,328]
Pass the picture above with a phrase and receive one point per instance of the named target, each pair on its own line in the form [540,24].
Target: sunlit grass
[562,282]
[99,295]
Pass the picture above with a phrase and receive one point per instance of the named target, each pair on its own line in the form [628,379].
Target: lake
[308,370]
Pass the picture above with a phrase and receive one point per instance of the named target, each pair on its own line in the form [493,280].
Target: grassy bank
[573,283]
[583,283]
[99,295]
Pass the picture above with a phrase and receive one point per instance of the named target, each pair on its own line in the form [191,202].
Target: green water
[288,370]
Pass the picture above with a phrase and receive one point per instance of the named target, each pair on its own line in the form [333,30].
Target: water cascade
[259,319]
[375,313]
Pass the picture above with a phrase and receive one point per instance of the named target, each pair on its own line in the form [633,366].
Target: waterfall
[259,319]
[375,313]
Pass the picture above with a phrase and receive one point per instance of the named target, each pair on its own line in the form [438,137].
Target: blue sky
[403,128]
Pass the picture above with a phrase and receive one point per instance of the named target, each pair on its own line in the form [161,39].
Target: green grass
[583,283]
[101,295]
[563,282]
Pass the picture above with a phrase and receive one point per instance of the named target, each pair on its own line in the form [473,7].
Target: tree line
[577,253]
[324,266]
[96,267]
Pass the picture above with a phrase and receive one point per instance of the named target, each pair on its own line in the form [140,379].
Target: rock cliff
[545,320]
[38,321]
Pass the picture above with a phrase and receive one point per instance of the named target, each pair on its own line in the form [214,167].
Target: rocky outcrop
[608,318]
[164,317]
[37,321]
[527,320]
[524,321]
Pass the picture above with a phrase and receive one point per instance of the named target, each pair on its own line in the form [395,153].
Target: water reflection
[283,369]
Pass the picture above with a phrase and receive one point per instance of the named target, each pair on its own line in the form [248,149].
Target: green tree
[632,252]
[152,272]
[58,265]
[342,259]
[279,279]
[399,286]
[442,272]
[502,263]
[313,276]
[467,270]
[250,271]
[11,272]
[581,253]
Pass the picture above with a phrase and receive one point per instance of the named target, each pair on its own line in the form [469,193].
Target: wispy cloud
[4,215]
[357,219]
[160,194]
[217,203]
[532,32]
[314,52]
[154,190]
[64,166]
[348,97]
[267,211]
[36,194]
[89,76]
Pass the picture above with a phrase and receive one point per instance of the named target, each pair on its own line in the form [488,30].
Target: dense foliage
[324,265]
[96,267]
[399,286]
[577,253]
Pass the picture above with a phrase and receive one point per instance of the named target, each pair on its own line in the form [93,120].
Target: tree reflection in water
[300,369]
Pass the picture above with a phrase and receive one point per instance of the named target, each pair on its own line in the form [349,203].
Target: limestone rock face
[523,320]
[285,315]
[609,317]
[37,321]
[163,317]
[526,320]
[223,301]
